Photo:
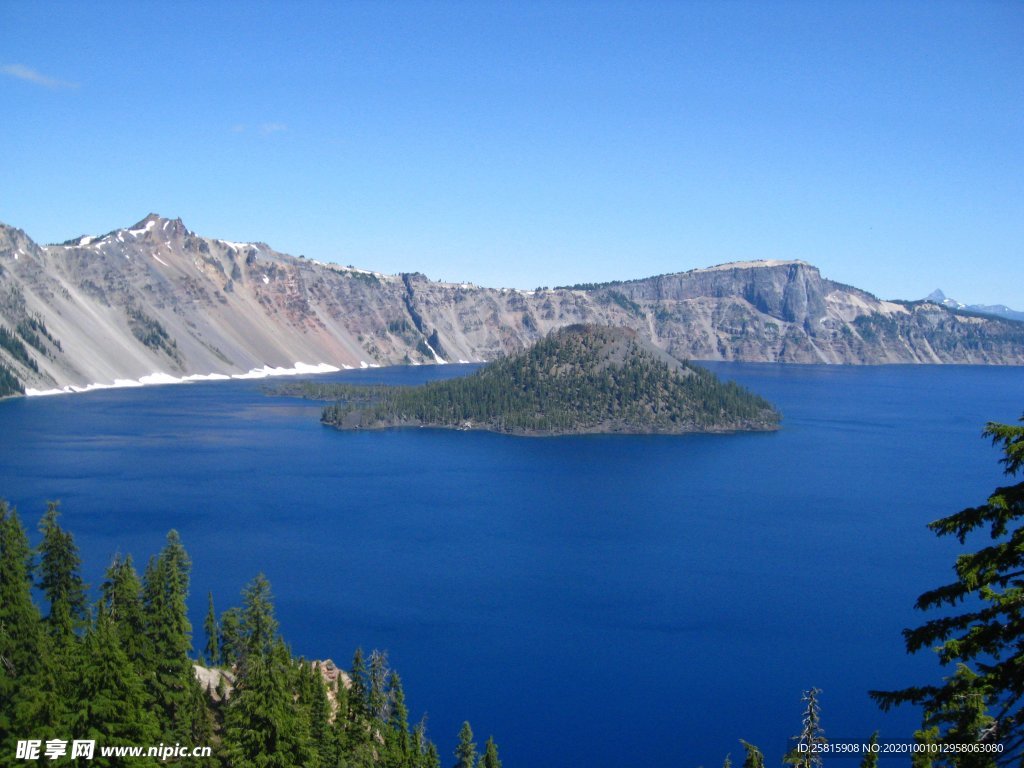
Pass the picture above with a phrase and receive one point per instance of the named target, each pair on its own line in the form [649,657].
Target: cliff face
[156,297]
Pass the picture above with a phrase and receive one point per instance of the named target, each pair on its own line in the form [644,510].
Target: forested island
[579,379]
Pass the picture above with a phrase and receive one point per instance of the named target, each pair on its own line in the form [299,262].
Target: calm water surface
[593,601]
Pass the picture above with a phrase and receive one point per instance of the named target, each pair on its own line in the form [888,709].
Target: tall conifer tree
[263,724]
[398,733]
[59,578]
[121,600]
[490,757]
[169,631]
[465,752]
[20,624]
[379,703]
[870,758]
[357,693]
[111,705]
[979,632]
[230,637]
[212,631]
[753,758]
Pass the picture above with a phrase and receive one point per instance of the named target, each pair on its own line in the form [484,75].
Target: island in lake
[580,379]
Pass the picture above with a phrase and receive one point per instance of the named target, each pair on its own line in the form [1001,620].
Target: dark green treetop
[211,652]
[490,756]
[20,623]
[58,576]
[465,752]
[754,758]
[870,758]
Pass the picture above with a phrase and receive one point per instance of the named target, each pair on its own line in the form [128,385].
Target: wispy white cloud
[264,128]
[29,75]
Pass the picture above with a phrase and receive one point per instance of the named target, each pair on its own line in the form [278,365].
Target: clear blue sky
[525,144]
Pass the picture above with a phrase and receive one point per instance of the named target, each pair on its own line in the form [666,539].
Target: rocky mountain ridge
[157,300]
[996,310]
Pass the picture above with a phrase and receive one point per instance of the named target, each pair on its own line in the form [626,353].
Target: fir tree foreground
[580,379]
[119,671]
[982,700]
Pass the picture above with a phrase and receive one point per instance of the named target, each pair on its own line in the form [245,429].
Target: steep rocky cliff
[156,298]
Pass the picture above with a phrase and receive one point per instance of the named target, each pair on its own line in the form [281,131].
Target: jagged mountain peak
[154,220]
[993,310]
[938,297]
[159,225]
[153,225]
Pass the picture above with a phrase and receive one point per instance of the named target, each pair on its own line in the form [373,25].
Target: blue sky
[526,144]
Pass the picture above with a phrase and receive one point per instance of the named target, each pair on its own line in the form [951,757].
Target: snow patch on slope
[159,378]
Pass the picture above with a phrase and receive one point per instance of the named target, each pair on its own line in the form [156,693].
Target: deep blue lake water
[600,601]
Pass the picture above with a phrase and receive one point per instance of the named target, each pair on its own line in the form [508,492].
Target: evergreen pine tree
[358,733]
[433,759]
[20,623]
[490,758]
[121,600]
[313,696]
[754,758]
[46,707]
[263,724]
[58,576]
[257,714]
[212,650]
[111,701]
[465,752]
[357,703]
[927,738]
[807,753]
[983,700]
[230,637]
[379,703]
[259,627]
[168,632]
[419,742]
[42,706]
[870,758]
[398,732]
[966,718]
